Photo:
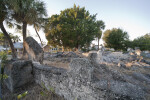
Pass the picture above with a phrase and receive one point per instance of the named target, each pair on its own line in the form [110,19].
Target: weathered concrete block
[34,50]
[19,73]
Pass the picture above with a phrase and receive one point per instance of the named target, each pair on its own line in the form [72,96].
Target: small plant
[75,98]
[45,92]
[3,56]
[51,89]
[4,76]
[22,95]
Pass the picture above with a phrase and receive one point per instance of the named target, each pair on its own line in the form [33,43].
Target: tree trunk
[0,86]
[41,44]
[24,32]
[38,35]
[98,43]
[14,54]
[77,46]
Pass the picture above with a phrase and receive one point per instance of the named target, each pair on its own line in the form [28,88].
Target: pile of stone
[85,80]
[71,54]
[115,57]
[128,82]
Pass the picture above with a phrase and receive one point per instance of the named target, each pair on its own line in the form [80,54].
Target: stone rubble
[103,75]
[88,79]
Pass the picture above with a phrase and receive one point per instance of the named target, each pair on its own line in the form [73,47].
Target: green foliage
[3,76]
[27,12]
[3,56]
[51,89]
[116,38]
[101,26]
[142,42]
[4,41]
[22,95]
[72,28]
[3,11]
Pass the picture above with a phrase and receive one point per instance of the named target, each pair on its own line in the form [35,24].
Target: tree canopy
[27,12]
[115,38]
[142,42]
[72,28]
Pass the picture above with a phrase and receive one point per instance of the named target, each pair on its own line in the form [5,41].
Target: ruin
[86,78]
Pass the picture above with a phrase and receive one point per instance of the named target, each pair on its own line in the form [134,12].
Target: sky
[133,16]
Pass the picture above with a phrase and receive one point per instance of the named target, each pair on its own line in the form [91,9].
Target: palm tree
[36,30]
[27,12]
[101,26]
[4,16]
[99,34]
[40,24]
[39,21]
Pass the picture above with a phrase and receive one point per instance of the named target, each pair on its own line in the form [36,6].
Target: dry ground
[56,64]
[35,92]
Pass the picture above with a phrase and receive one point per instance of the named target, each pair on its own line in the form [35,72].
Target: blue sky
[132,16]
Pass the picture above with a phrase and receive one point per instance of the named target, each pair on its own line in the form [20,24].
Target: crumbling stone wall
[74,83]
[84,80]
[19,73]
[87,81]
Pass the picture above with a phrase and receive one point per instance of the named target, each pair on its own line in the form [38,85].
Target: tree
[101,26]
[72,28]
[4,16]
[38,25]
[27,12]
[142,42]
[115,38]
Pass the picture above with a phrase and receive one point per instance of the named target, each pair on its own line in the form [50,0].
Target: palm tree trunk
[38,35]
[41,44]
[0,86]
[98,43]
[14,54]
[24,30]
